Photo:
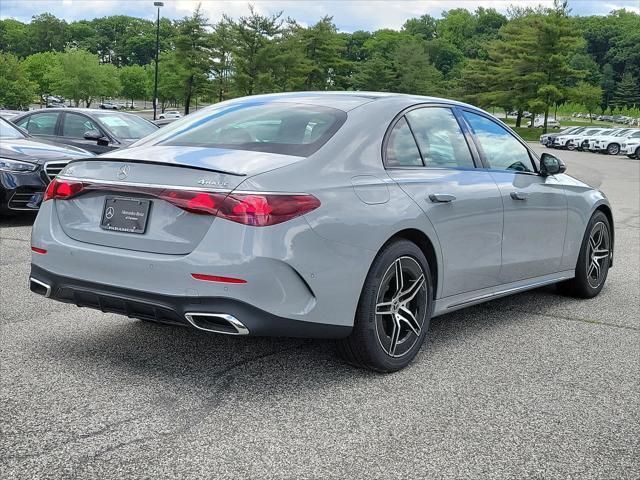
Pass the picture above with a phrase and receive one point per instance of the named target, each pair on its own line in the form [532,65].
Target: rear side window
[440,138]
[284,128]
[402,150]
[41,123]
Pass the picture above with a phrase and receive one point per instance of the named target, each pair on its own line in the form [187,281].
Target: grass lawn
[529,134]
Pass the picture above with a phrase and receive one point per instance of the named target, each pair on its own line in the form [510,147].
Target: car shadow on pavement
[25,219]
[202,359]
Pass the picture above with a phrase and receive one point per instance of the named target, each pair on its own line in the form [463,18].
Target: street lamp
[155,83]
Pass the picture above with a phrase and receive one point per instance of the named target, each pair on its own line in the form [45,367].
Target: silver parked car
[355,216]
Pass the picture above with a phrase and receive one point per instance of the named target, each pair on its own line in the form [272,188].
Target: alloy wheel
[401,306]
[598,254]
[613,149]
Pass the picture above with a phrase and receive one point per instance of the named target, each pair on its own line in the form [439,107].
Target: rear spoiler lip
[153,162]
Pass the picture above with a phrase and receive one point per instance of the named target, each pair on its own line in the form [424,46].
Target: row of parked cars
[623,119]
[612,141]
[36,145]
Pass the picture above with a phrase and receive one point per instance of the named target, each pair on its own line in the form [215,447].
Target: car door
[42,125]
[535,207]
[75,125]
[427,154]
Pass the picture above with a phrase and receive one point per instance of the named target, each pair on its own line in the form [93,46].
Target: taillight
[195,202]
[62,189]
[262,210]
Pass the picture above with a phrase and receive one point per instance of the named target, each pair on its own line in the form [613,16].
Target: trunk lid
[169,229]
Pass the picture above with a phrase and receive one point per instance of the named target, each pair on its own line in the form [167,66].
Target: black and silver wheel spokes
[401,306]
[598,254]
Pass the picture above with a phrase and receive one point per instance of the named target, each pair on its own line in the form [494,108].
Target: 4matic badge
[213,183]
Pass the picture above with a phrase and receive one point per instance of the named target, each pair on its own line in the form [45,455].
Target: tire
[570,146]
[389,329]
[584,285]
[613,149]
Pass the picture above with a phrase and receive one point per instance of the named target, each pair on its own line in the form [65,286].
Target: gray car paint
[312,268]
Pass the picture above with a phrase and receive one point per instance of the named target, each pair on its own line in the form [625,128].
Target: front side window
[502,150]
[75,126]
[440,138]
[283,128]
[402,150]
[41,123]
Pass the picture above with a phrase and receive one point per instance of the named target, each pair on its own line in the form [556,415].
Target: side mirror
[550,165]
[93,135]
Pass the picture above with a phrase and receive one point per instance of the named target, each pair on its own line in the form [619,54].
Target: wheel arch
[426,245]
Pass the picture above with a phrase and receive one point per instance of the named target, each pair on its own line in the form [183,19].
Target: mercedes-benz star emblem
[123,172]
[109,213]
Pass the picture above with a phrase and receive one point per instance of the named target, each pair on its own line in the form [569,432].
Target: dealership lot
[536,385]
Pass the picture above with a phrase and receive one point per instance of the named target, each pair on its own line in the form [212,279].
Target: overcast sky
[347,15]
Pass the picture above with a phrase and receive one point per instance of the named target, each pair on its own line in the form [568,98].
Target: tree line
[530,59]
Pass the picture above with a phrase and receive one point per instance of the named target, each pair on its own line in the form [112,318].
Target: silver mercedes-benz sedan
[354,216]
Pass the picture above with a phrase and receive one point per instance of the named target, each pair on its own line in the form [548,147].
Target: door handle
[519,195]
[441,197]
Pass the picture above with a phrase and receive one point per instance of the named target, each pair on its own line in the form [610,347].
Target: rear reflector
[41,251]
[216,278]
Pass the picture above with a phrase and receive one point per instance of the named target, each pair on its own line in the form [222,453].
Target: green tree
[16,91]
[133,81]
[627,92]
[79,76]
[222,59]
[14,37]
[608,84]
[414,73]
[193,51]
[587,95]
[255,38]
[47,33]
[38,68]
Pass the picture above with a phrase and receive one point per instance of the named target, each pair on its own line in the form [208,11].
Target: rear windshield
[283,128]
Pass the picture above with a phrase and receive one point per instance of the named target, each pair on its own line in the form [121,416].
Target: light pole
[155,83]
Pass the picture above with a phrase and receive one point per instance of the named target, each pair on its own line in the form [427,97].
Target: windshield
[283,128]
[125,126]
[9,131]
[622,133]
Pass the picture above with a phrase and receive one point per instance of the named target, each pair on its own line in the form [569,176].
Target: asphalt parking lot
[531,386]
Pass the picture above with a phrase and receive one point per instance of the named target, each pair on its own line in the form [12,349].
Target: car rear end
[177,233]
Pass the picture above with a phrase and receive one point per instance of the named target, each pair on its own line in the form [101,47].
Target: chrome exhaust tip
[217,323]
[41,288]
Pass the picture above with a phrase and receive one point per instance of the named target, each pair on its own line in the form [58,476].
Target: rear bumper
[173,309]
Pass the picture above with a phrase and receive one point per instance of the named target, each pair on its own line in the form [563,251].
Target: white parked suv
[170,114]
[565,141]
[581,141]
[631,146]
[611,143]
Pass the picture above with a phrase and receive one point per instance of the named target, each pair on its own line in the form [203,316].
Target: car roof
[81,110]
[343,100]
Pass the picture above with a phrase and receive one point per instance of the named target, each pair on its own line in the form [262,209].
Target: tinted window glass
[501,149]
[42,123]
[284,128]
[126,126]
[439,137]
[402,150]
[75,126]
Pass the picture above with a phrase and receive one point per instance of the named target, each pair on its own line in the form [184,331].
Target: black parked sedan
[98,131]
[26,167]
